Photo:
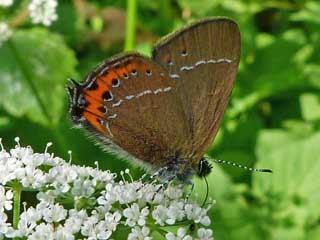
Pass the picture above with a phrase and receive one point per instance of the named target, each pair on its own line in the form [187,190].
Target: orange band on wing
[93,120]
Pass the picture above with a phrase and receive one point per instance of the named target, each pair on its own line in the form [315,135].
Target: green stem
[130,25]
[16,204]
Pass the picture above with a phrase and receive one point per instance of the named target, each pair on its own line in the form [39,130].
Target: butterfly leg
[164,184]
[191,183]
[154,175]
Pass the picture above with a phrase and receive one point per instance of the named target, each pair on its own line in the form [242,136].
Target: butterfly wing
[202,59]
[130,103]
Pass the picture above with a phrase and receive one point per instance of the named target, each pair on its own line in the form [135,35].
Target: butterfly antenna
[242,166]
[207,192]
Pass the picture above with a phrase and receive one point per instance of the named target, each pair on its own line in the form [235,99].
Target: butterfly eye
[82,102]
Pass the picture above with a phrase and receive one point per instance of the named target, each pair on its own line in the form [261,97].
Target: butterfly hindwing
[203,60]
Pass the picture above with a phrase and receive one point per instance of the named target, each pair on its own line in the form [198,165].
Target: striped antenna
[242,166]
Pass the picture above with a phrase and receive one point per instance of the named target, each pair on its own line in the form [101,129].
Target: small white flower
[82,187]
[95,228]
[204,234]
[28,221]
[30,177]
[54,213]
[126,193]
[112,220]
[135,216]
[5,199]
[175,212]
[63,233]
[5,32]
[6,3]
[174,193]
[42,232]
[4,226]
[197,214]
[138,233]
[181,235]
[32,215]
[74,221]
[159,214]
[101,231]
[88,225]
[43,11]
[21,152]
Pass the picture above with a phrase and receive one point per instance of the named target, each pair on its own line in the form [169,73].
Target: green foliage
[273,119]
[28,86]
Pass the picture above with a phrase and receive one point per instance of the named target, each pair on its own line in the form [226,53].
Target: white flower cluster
[77,202]
[6,3]
[43,11]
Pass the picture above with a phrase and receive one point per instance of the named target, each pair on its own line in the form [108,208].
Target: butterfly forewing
[202,59]
[130,104]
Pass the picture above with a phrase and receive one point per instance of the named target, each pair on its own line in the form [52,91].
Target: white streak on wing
[139,95]
[186,68]
[129,97]
[174,76]
[212,61]
[159,90]
[108,128]
[103,71]
[117,104]
[200,62]
[112,116]
[167,89]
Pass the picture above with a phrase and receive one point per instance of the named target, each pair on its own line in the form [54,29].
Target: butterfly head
[204,168]
[77,102]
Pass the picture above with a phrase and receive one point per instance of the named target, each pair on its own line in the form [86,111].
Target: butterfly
[163,112]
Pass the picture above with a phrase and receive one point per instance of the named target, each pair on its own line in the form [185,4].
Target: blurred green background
[273,119]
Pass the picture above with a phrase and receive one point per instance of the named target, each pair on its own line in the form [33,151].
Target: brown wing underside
[203,59]
[138,111]
[172,104]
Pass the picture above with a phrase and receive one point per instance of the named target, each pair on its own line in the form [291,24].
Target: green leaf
[34,66]
[199,8]
[310,106]
[312,71]
[275,68]
[291,193]
[309,13]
